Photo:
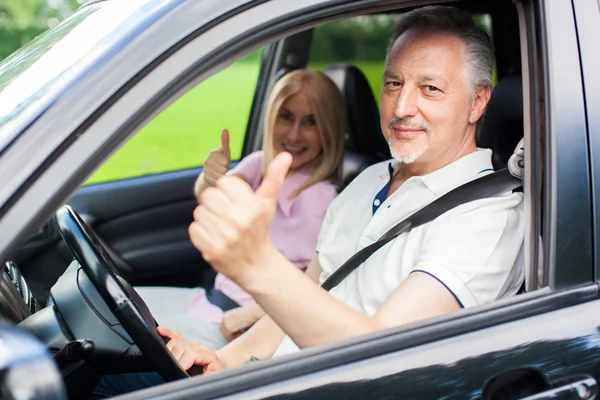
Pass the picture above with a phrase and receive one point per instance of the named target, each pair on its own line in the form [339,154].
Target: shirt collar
[285,201]
[456,173]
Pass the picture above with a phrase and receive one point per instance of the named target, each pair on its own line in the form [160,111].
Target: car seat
[502,126]
[365,144]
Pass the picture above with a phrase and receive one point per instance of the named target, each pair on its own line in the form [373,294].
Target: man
[437,84]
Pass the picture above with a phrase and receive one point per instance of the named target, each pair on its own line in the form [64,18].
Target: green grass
[182,135]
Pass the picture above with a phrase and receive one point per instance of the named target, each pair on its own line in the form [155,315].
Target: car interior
[142,222]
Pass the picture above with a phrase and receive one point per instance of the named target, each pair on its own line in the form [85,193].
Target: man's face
[427,115]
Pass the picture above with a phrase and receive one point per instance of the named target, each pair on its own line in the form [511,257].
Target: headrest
[516,163]
[364,129]
[502,126]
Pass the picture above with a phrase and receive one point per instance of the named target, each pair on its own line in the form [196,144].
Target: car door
[548,336]
[541,344]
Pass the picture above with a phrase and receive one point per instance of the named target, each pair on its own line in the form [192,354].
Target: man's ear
[481,100]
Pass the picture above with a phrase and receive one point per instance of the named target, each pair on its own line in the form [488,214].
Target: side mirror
[27,371]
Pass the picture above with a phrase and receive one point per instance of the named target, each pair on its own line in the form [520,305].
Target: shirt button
[377,202]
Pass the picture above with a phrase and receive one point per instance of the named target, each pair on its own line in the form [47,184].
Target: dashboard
[16,299]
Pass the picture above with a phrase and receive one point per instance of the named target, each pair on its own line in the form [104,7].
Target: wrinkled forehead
[430,47]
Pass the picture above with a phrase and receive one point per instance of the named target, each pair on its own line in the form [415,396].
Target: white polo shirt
[475,250]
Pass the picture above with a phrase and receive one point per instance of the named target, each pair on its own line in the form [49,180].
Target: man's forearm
[306,312]
[260,341]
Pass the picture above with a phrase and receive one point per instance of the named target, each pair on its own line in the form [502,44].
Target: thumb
[225,144]
[274,177]
[169,333]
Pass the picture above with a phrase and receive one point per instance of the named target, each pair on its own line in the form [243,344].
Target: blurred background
[23,20]
[183,134]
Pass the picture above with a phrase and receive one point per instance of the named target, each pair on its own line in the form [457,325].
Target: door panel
[144,224]
[560,348]
[473,354]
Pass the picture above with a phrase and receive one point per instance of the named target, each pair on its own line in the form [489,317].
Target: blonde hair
[327,105]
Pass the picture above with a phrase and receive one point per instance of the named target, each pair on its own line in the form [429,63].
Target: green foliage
[26,55]
[23,20]
[362,38]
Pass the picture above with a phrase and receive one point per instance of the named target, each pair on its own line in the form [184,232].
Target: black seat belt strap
[490,185]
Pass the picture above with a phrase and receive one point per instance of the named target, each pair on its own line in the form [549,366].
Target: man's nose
[406,103]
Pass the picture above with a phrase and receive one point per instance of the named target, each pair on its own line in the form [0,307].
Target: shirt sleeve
[476,252]
[251,168]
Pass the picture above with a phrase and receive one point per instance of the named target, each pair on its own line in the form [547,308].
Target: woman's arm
[235,321]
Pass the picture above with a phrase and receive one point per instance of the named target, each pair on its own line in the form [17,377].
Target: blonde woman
[304,117]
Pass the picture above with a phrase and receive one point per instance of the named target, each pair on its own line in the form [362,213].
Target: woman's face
[296,132]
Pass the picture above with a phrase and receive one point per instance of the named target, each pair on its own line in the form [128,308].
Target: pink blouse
[294,231]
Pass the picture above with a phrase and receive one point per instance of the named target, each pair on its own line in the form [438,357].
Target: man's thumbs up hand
[274,177]
[232,224]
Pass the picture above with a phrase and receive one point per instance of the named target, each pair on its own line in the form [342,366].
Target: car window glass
[182,136]
[361,41]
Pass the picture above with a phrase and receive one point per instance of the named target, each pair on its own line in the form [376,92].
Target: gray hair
[478,43]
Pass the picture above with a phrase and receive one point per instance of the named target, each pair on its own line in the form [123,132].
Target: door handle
[584,389]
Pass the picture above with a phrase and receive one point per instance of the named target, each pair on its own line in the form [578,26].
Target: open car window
[183,135]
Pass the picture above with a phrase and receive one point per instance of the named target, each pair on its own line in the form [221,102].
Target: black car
[76,94]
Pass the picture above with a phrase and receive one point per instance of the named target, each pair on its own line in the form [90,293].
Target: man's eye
[393,83]
[432,89]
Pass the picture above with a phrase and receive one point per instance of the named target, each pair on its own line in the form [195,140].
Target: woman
[305,117]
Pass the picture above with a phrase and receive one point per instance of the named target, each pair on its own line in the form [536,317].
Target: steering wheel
[127,306]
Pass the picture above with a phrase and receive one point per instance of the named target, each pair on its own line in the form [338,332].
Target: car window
[361,41]
[182,135]
[42,69]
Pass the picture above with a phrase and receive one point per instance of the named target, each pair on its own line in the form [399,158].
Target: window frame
[588,30]
[568,211]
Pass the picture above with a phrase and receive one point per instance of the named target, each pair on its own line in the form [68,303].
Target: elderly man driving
[437,83]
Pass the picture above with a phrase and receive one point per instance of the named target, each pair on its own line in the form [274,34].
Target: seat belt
[490,185]
[220,299]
